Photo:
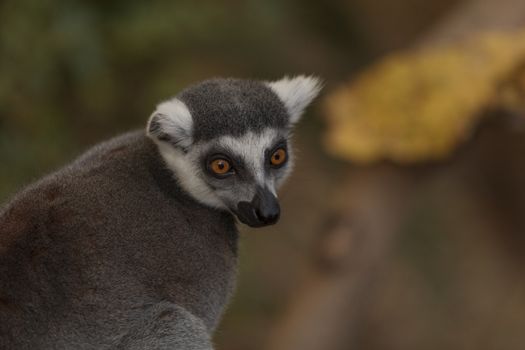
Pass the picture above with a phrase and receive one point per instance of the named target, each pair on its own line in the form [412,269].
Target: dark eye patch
[282,143]
[236,162]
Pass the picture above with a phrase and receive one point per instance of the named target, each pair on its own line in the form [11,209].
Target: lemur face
[228,141]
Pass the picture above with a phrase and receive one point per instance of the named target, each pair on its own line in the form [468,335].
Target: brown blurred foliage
[420,105]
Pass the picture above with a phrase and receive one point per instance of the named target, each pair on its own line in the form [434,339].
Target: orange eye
[220,166]
[278,157]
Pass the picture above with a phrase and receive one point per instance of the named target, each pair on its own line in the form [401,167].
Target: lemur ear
[296,93]
[172,123]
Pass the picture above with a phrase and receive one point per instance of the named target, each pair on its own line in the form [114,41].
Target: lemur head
[228,141]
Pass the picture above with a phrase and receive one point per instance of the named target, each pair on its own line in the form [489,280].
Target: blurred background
[403,225]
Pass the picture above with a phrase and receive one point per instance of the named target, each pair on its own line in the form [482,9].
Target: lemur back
[87,275]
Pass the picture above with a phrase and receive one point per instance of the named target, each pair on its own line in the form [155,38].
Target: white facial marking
[251,148]
[188,173]
[296,93]
[186,164]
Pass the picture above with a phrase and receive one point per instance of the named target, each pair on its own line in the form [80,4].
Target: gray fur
[98,255]
[232,107]
[118,250]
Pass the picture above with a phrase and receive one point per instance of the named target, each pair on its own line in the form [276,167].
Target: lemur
[134,244]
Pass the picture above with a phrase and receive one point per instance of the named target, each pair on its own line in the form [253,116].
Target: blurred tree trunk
[348,257]
[325,312]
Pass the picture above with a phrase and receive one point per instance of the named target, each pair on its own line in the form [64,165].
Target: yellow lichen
[421,104]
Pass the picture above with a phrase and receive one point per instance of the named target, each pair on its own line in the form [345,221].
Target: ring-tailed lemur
[133,245]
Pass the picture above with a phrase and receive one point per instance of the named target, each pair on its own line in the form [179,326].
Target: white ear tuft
[171,122]
[296,93]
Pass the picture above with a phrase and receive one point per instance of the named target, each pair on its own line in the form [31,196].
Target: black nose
[261,211]
[266,207]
